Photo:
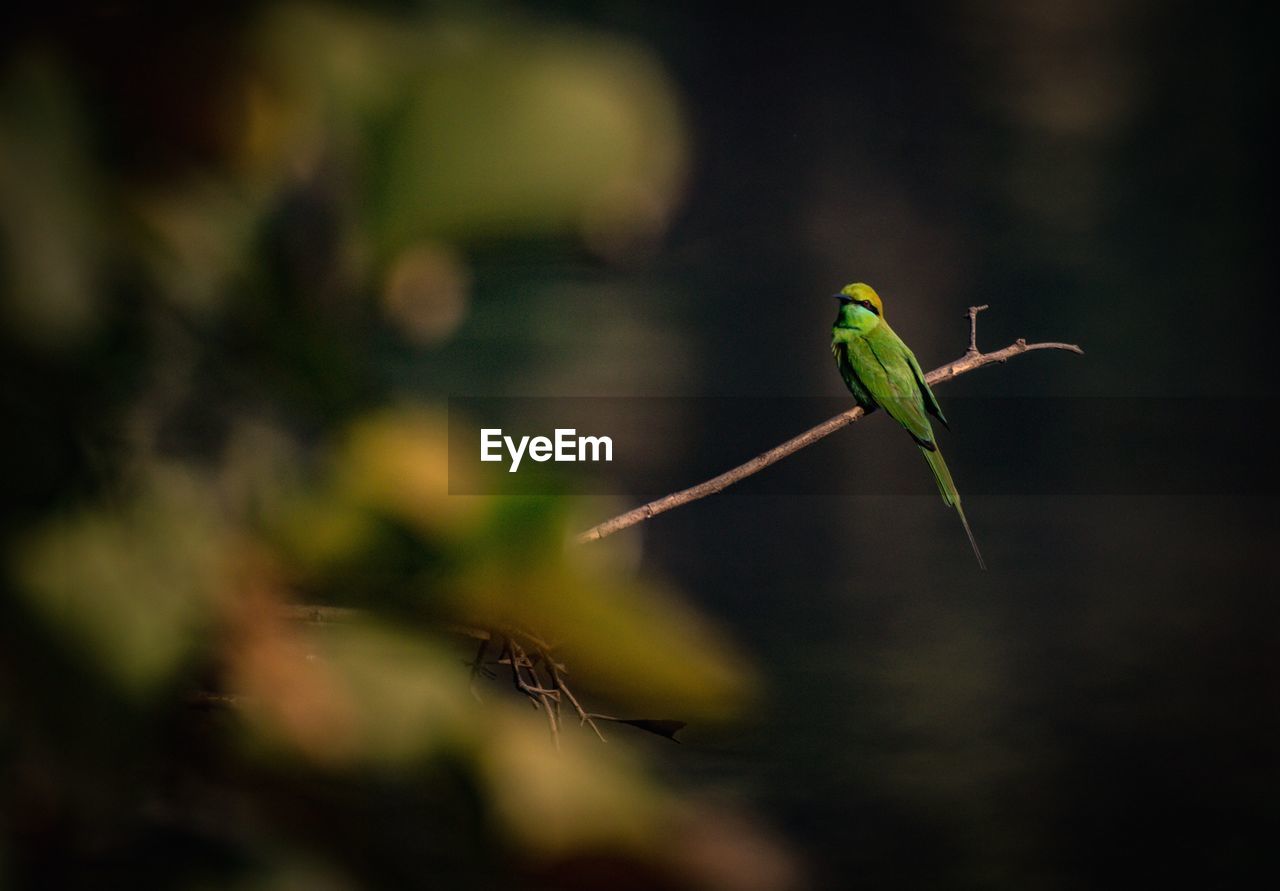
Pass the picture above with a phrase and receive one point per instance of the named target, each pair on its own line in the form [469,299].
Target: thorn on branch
[973,327]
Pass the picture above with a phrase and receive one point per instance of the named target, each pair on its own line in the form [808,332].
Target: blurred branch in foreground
[535,672]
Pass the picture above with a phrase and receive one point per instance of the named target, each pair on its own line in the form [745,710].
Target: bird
[881,371]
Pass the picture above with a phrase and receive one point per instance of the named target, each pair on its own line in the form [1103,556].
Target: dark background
[1098,708]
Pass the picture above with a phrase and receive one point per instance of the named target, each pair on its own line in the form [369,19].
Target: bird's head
[860,308]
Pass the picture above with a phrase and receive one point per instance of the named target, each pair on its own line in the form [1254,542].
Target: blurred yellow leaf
[583,797]
[398,462]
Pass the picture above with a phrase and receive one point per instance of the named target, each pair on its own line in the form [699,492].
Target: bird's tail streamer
[951,496]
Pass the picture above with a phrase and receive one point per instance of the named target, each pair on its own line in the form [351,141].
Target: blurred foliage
[247,248]
[131,586]
[208,228]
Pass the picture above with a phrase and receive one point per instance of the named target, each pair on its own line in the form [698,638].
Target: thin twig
[557,680]
[973,328]
[970,361]
[553,718]
[520,663]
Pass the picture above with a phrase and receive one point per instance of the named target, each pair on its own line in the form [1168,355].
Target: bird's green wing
[930,401]
[845,364]
[881,363]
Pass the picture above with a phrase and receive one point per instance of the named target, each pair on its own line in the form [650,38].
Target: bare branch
[970,361]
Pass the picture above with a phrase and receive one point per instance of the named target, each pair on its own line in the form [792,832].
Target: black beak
[843,298]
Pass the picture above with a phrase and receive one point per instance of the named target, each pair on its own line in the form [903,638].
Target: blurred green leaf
[131,587]
[473,127]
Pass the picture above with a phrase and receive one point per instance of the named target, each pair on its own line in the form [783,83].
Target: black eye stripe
[865,304]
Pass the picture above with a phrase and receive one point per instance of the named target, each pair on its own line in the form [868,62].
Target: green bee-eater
[880,370]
